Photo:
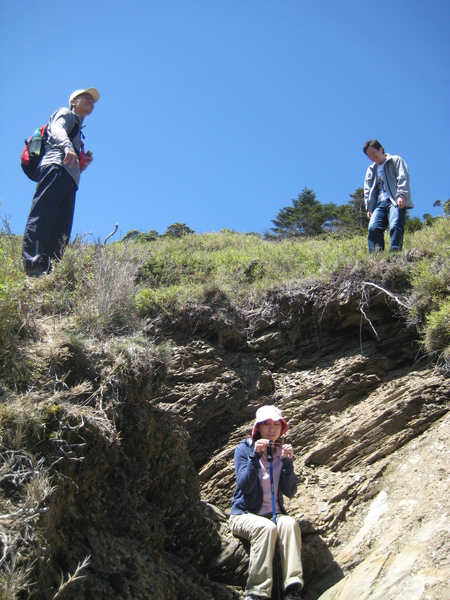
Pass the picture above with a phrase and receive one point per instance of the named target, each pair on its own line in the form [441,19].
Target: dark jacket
[248,495]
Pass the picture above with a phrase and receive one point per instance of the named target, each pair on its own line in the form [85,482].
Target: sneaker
[252,597]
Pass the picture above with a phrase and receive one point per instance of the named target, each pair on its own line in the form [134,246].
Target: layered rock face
[368,421]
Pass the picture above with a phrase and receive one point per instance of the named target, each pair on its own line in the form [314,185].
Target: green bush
[437,331]
[15,302]
[169,300]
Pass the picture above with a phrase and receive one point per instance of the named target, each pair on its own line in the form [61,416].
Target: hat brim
[284,427]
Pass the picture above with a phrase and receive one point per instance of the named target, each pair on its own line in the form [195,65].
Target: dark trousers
[51,216]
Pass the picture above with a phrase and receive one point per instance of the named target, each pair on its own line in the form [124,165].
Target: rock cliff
[145,468]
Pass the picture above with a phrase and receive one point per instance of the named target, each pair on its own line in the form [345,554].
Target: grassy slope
[111,290]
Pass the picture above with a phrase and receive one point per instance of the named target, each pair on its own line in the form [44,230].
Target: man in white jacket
[387,196]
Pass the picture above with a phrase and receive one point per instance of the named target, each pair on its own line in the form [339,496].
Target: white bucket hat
[269,412]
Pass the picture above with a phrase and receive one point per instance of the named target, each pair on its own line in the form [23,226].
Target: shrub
[99,284]
[169,300]
[437,333]
[15,301]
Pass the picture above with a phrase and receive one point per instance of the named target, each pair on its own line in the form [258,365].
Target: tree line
[307,217]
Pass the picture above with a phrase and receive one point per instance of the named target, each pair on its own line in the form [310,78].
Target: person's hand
[401,202]
[261,445]
[88,158]
[369,214]
[70,158]
[287,451]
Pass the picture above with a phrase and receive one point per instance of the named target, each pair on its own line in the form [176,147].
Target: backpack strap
[75,129]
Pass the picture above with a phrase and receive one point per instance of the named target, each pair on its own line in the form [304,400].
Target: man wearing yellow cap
[50,220]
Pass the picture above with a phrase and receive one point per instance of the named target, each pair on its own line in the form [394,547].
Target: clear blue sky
[217,113]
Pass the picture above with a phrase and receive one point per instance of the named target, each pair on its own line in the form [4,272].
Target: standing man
[50,220]
[387,195]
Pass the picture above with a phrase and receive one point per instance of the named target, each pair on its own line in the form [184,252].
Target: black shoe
[34,268]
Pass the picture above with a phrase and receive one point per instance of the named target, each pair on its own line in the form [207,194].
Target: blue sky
[217,113]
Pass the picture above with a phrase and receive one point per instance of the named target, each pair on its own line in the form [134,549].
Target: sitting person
[264,472]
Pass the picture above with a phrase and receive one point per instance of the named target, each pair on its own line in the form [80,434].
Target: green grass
[112,290]
[437,333]
[15,302]
[232,260]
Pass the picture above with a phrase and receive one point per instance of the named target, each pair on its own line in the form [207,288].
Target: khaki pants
[262,534]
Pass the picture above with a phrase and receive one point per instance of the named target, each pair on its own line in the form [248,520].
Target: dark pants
[51,216]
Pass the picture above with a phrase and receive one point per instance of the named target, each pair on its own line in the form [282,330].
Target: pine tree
[306,217]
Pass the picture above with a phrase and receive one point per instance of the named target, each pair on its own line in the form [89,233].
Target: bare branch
[369,321]
[72,578]
[390,294]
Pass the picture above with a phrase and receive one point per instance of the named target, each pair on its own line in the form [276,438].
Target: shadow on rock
[320,570]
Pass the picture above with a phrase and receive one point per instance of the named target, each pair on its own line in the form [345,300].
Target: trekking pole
[111,234]
[274,512]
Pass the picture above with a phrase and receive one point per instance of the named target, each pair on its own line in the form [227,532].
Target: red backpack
[34,150]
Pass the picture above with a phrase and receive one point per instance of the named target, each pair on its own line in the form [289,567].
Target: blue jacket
[248,495]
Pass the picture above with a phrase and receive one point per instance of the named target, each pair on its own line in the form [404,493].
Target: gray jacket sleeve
[400,177]
[61,123]
[369,188]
